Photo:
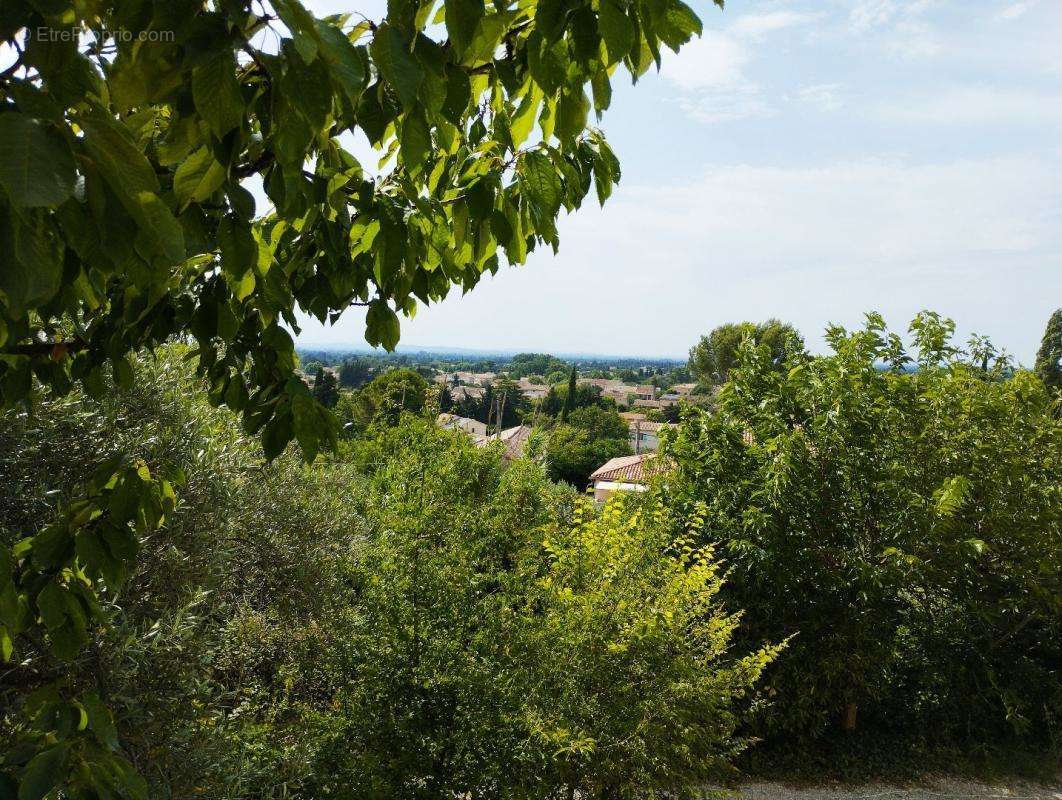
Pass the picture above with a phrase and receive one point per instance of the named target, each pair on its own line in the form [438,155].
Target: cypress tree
[1049,358]
[569,399]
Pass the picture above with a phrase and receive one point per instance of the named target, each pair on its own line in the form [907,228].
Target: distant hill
[455,353]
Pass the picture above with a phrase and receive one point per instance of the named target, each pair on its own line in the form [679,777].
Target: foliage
[354,373]
[904,525]
[325,387]
[1049,356]
[200,666]
[569,396]
[509,653]
[385,397]
[600,423]
[414,622]
[591,437]
[712,358]
[586,394]
[123,201]
[525,364]
[504,405]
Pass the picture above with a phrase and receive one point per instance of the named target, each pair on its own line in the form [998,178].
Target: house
[532,391]
[459,393]
[622,393]
[623,474]
[684,389]
[452,422]
[644,435]
[514,439]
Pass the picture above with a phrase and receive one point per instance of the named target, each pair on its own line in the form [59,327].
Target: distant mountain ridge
[485,353]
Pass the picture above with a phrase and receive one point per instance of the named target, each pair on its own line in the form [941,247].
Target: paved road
[942,789]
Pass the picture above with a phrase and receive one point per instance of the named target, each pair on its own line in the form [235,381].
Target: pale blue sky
[810,161]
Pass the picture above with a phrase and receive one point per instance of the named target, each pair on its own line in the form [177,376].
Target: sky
[810,161]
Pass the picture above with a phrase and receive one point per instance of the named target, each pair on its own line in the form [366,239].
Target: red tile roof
[627,469]
[514,440]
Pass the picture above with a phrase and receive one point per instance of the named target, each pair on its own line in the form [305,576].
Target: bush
[903,524]
[591,437]
[410,619]
[502,651]
[209,660]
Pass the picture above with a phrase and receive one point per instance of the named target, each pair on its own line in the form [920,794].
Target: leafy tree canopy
[125,163]
[1049,357]
[126,219]
[905,524]
[712,358]
[590,437]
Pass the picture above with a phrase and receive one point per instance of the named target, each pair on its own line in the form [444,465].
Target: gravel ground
[939,789]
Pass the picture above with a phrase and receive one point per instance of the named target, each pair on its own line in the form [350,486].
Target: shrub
[410,619]
[903,524]
[500,650]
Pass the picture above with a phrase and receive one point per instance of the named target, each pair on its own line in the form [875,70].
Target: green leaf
[382,326]
[462,19]
[100,720]
[540,182]
[33,270]
[572,112]
[416,140]
[198,177]
[551,17]
[548,63]
[307,425]
[678,24]
[51,603]
[308,88]
[239,250]
[488,36]
[160,229]
[123,373]
[616,29]
[46,771]
[216,93]
[348,63]
[524,119]
[602,89]
[122,163]
[302,25]
[36,166]
[276,435]
[396,64]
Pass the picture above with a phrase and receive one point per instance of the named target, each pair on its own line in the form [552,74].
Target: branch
[260,163]
[57,350]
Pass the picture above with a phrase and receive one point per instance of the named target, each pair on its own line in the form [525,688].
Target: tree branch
[57,350]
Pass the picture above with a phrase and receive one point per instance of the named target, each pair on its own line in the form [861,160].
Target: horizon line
[408,349]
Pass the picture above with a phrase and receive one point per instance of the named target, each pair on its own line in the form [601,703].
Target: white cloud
[823,96]
[911,39]
[870,14]
[714,61]
[1016,10]
[756,26]
[971,238]
[735,104]
[710,74]
[975,105]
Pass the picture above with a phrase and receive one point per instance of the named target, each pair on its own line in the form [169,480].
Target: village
[620,473]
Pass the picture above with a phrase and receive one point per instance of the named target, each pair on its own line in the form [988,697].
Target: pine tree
[1049,358]
[569,399]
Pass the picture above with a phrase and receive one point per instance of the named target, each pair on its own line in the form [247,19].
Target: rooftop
[627,469]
